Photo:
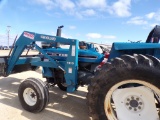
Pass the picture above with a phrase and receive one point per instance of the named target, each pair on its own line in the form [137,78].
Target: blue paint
[119,49]
[127,46]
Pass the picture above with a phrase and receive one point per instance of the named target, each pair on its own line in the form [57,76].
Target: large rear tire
[33,95]
[124,72]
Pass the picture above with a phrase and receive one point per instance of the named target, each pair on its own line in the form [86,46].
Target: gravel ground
[62,105]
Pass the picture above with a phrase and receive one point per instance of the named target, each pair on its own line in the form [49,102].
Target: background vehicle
[126,87]
[6,48]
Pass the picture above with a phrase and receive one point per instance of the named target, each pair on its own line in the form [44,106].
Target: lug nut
[128,99]
[127,104]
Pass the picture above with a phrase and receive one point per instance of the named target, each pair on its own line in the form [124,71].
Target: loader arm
[71,63]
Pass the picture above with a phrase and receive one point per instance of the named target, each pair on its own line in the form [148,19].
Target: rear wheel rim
[110,113]
[30,96]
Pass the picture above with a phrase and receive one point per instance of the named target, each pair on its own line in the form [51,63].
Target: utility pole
[8,30]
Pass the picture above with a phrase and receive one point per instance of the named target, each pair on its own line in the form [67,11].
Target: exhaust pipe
[59,30]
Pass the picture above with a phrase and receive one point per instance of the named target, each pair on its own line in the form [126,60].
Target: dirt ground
[62,105]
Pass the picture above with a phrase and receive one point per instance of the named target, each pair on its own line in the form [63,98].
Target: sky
[99,21]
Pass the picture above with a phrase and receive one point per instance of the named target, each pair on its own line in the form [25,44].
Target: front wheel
[33,95]
[126,92]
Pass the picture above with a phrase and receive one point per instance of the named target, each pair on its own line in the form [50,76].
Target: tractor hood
[83,55]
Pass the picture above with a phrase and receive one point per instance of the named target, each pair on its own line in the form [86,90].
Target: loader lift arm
[71,63]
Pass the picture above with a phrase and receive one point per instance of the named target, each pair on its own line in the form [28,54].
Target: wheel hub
[30,96]
[134,103]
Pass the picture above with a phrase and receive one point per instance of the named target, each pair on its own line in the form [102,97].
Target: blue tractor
[125,88]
